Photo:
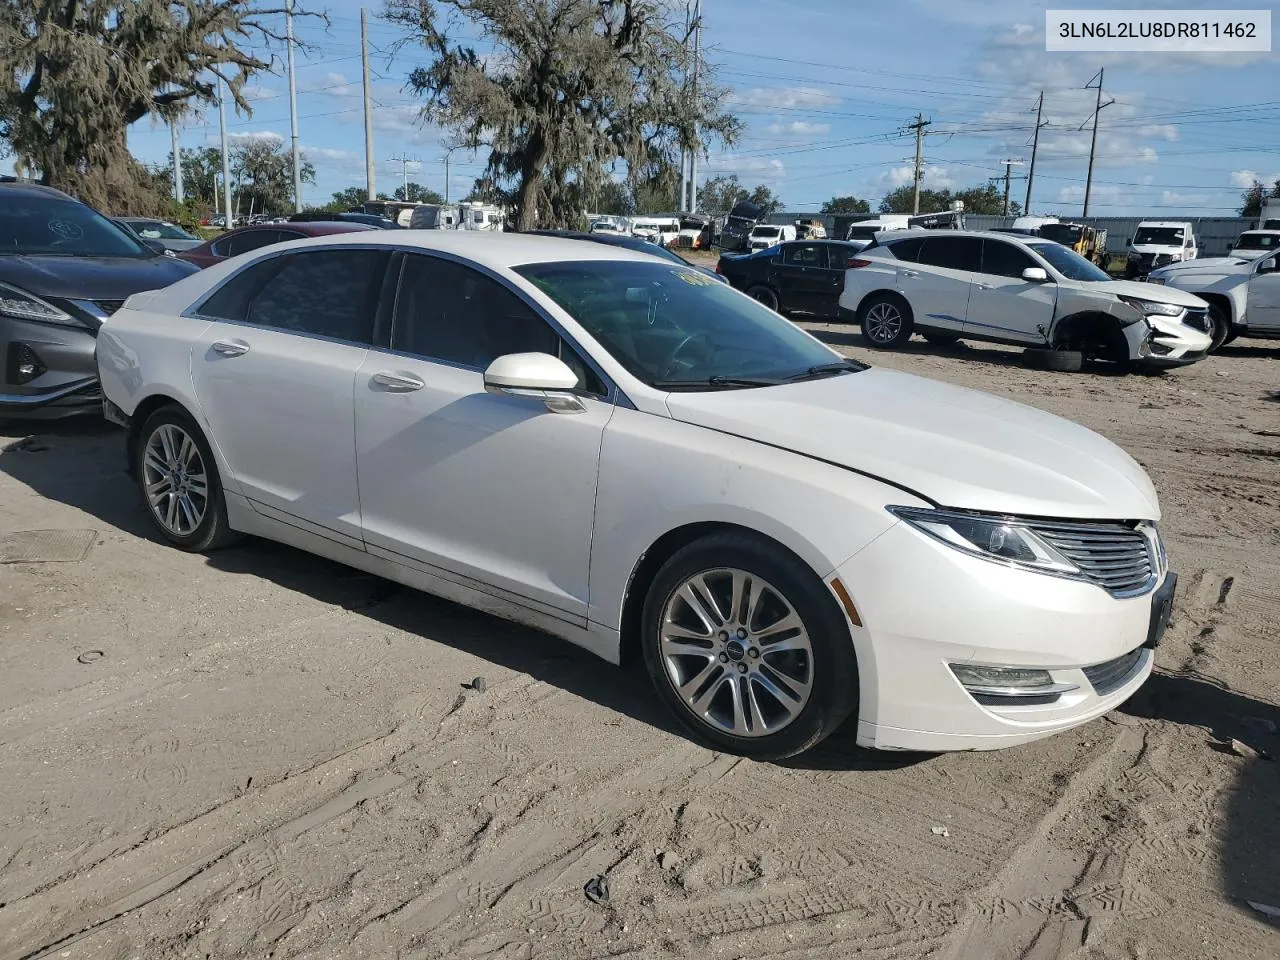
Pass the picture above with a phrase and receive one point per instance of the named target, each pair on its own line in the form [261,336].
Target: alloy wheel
[175,480]
[884,321]
[736,652]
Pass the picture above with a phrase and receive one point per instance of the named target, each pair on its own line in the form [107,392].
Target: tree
[201,172]
[766,199]
[569,88]
[900,199]
[263,172]
[845,205]
[75,75]
[719,194]
[615,199]
[417,193]
[1251,199]
[987,198]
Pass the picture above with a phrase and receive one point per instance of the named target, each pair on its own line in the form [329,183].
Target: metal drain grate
[46,546]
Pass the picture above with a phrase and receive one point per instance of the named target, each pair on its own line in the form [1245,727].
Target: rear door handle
[230,348]
[983,286]
[398,382]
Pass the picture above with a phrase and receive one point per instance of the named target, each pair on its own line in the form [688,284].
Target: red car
[235,242]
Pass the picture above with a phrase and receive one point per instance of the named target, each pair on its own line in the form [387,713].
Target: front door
[800,273]
[274,374]
[1002,304]
[937,285]
[494,491]
[1263,309]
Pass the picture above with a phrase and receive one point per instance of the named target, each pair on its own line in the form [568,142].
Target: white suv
[1027,292]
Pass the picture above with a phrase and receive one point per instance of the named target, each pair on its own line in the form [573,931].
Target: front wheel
[747,648]
[1219,327]
[179,482]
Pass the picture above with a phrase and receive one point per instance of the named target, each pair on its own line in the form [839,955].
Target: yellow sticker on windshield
[697,279]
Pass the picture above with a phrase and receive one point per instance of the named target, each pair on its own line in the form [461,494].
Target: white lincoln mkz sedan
[628,454]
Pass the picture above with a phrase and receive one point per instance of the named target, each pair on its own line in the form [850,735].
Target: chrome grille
[1111,675]
[109,306]
[1117,557]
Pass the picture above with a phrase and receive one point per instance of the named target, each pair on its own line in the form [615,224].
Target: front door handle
[230,348]
[910,273]
[983,286]
[398,382]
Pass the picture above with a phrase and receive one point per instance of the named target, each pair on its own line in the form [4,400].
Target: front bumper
[1170,343]
[67,383]
[924,606]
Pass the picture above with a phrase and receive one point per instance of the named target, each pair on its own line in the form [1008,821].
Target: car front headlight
[1153,308]
[1175,257]
[1001,539]
[21,305]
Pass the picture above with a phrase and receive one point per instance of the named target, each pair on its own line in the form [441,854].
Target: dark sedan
[64,268]
[235,242]
[801,276]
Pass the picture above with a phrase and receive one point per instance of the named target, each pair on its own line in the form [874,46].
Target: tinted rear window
[952,253]
[906,249]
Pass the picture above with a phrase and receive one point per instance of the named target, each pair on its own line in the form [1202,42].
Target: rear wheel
[179,482]
[886,321]
[747,648]
[764,295]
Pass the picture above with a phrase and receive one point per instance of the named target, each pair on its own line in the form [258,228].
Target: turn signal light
[856,262]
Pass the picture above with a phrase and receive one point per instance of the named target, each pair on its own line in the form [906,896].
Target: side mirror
[537,375]
[156,247]
[1128,241]
[1035,275]
[1268,266]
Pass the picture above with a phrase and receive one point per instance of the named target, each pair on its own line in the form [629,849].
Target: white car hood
[1148,291]
[1207,264]
[957,447]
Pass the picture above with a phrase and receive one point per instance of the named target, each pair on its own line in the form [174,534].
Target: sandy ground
[278,757]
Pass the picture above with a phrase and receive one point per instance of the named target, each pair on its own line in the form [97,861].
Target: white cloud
[1101,194]
[1245,178]
[798,128]
[1171,198]
[783,98]
[756,169]
[1164,131]
[329,161]
[255,136]
[933,178]
[337,85]
[258,91]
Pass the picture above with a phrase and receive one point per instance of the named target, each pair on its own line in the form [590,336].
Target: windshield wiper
[828,369]
[716,382]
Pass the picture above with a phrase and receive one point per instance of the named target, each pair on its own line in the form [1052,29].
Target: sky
[826,87]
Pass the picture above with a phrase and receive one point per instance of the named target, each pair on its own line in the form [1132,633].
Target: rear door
[1002,304]
[937,285]
[274,375]
[1263,309]
[799,273]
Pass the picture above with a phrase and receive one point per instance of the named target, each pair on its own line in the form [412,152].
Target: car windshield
[1258,241]
[1066,233]
[1069,263]
[158,230]
[766,231]
[1161,236]
[678,329]
[38,224]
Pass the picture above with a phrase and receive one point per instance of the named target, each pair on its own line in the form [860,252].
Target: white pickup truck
[1243,295]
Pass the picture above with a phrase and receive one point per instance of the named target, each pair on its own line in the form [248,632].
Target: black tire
[832,669]
[1063,361]
[766,296]
[1220,328]
[213,531]
[886,321]
[942,339]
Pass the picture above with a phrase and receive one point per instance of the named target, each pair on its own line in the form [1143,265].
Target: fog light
[24,365]
[1009,684]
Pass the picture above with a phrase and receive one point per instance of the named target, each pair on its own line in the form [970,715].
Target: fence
[1217,234]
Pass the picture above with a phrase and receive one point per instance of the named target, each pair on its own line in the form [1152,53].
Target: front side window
[952,253]
[1004,259]
[34,224]
[805,255]
[326,293]
[231,300]
[676,328]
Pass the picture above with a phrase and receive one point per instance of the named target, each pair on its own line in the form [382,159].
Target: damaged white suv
[955,285]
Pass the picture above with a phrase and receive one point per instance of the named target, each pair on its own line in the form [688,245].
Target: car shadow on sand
[1249,834]
[81,464]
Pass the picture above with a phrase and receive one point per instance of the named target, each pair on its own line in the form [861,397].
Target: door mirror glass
[1035,275]
[522,373]
[1268,266]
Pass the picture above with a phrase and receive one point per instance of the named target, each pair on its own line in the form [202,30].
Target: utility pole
[177,162]
[1035,143]
[918,127]
[697,56]
[1093,144]
[369,174]
[404,168]
[1008,168]
[293,110]
[445,158]
[226,155]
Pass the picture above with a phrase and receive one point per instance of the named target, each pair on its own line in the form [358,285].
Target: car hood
[1155,248]
[957,447]
[91,278]
[1216,265]
[1251,254]
[1148,291]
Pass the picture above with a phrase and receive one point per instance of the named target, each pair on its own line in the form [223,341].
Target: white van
[434,216]
[766,235]
[660,230]
[867,228]
[1159,243]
